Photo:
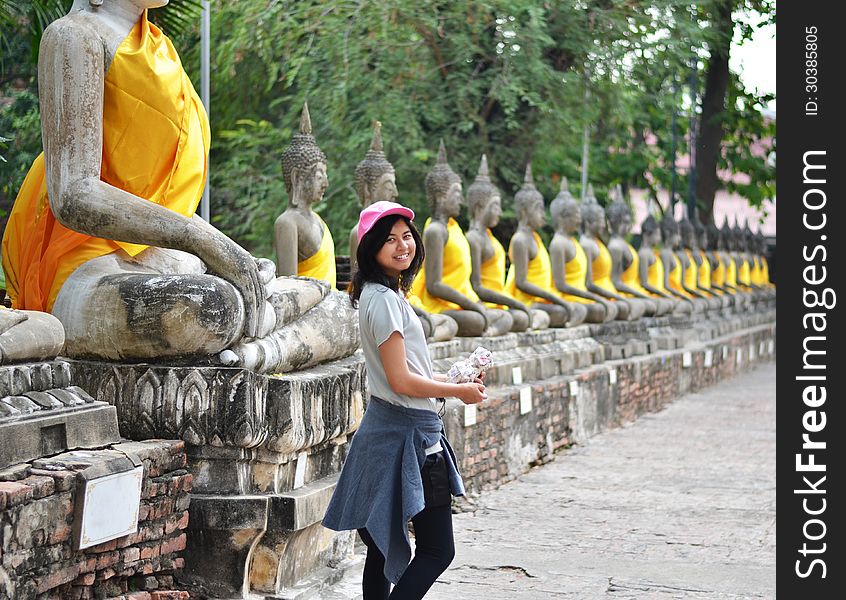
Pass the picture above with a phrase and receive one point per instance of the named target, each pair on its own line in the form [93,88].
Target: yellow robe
[321,264]
[601,269]
[575,274]
[755,272]
[655,273]
[493,271]
[743,276]
[539,273]
[766,272]
[691,275]
[676,278]
[456,271]
[731,272]
[631,276]
[718,275]
[705,274]
[155,145]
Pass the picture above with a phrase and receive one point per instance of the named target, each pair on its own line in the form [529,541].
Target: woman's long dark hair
[369,271]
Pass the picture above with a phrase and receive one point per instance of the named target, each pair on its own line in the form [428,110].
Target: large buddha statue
[530,277]
[599,260]
[673,268]
[443,284]
[103,233]
[568,260]
[653,278]
[625,262]
[375,180]
[301,240]
[690,268]
[488,255]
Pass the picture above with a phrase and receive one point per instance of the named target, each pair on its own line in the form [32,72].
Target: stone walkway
[679,504]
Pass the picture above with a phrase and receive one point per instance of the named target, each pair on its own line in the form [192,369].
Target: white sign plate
[517,375]
[709,358]
[612,376]
[687,359]
[525,400]
[110,507]
[574,388]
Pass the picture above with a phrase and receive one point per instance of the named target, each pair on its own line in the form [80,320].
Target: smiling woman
[400,465]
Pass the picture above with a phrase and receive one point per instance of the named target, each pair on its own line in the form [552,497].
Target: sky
[755,61]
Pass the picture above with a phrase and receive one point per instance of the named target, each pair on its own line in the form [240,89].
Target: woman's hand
[471,392]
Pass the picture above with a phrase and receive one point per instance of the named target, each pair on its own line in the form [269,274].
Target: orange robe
[155,145]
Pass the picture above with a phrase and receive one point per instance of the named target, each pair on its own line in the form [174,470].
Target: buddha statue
[599,260]
[443,284]
[653,278]
[704,264]
[375,180]
[742,258]
[301,240]
[717,263]
[568,260]
[762,256]
[103,233]
[625,262]
[29,336]
[673,269]
[488,255]
[726,253]
[530,278]
[690,268]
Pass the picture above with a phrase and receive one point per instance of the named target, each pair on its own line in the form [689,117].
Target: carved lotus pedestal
[265,453]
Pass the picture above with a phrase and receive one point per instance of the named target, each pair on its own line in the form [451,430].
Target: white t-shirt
[381,311]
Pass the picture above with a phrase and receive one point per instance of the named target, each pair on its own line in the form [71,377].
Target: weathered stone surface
[37,555]
[37,430]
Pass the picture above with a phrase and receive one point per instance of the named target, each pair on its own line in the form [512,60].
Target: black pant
[434,543]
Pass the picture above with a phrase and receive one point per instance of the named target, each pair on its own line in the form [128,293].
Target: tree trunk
[709,141]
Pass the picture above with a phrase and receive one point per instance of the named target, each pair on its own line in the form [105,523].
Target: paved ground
[680,504]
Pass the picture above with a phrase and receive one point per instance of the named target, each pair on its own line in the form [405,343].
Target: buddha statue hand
[226,259]
[309,324]
[482,310]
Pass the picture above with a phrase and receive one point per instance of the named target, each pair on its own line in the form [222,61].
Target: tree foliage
[518,80]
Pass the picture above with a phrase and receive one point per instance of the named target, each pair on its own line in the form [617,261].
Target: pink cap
[376,211]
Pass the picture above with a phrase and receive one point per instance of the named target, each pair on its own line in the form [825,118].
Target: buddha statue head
[565,210]
[650,232]
[714,235]
[670,231]
[726,236]
[593,215]
[529,202]
[484,200]
[761,243]
[619,214]
[443,187]
[687,233]
[737,237]
[749,238]
[304,166]
[375,178]
[700,233]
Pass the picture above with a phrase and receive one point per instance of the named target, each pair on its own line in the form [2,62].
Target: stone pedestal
[42,414]
[264,452]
